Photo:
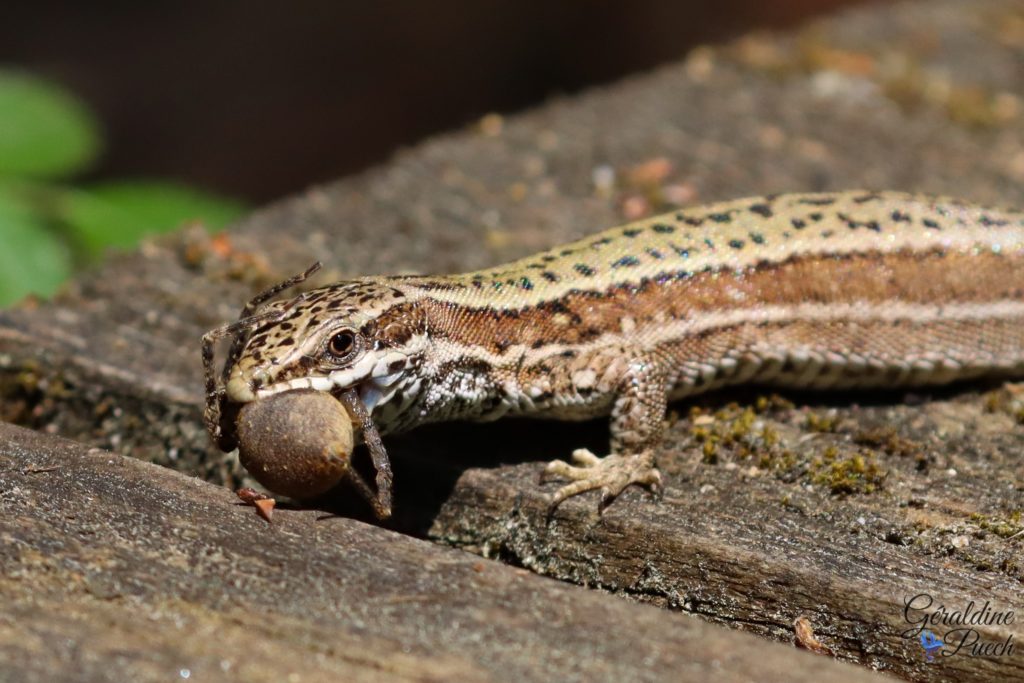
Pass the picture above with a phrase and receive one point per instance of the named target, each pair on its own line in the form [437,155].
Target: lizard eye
[342,343]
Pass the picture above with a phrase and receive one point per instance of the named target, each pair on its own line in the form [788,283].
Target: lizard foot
[611,474]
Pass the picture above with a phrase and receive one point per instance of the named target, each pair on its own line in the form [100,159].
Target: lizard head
[361,334]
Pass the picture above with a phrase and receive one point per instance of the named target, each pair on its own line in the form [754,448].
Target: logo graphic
[947,630]
[931,645]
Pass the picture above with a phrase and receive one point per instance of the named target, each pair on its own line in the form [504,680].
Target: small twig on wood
[39,470]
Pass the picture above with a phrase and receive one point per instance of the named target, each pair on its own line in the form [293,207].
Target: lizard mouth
[376,391]
[374,385]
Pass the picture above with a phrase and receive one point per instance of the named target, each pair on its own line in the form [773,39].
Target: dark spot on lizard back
[626,261]
[583,269]
[663,228]
[761,210]
[989,222]
[818,201]
[736,244]
[853,224]
[631,232]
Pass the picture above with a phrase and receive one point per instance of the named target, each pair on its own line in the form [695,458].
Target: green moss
[737,430]
[1004,527]
[778,460]
[888,440]
[732,427]
[710,451]
[858,473]
[983,564]
[995,401]
[741,425]
[763,404]
[821,423]
[788,503]
[1005,401]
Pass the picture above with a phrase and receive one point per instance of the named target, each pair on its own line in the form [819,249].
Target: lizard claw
[610,474]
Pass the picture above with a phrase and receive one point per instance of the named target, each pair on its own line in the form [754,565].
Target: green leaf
[120,214]
[44,131]
[32,259]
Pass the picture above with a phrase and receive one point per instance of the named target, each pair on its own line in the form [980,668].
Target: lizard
[817,290]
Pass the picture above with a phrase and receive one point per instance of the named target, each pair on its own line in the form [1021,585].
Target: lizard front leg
[637,419]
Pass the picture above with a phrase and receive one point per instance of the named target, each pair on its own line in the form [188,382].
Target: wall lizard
[838,290]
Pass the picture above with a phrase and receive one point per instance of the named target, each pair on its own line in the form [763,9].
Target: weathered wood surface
[917,96]
[116,569]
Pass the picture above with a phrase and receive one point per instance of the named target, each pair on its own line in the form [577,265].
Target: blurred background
[122,119]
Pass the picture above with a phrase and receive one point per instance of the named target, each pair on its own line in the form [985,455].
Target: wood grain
[115,569]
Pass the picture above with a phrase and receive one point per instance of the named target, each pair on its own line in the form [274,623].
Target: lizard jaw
[372,379]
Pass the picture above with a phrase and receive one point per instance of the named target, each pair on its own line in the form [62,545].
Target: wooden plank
[751,534]
[741,546]
[115,569]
